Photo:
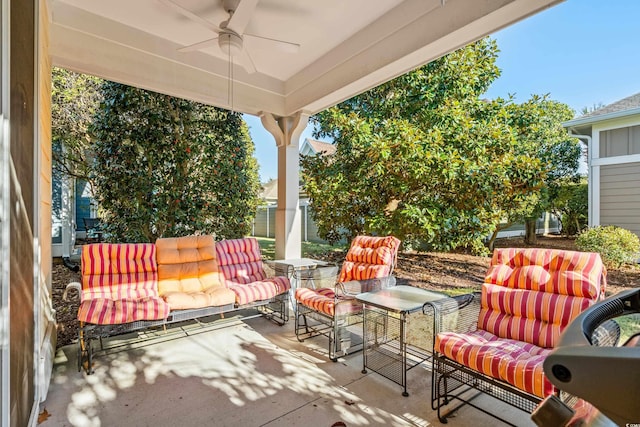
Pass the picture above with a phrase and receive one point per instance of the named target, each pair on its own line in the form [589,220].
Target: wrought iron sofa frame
[275,309]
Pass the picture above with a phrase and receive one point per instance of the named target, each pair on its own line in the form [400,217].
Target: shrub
[615,245]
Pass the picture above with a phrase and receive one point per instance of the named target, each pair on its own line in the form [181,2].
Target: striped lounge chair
[496,340]
[368,265]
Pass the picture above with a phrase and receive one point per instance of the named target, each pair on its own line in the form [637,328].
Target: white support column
[286,132]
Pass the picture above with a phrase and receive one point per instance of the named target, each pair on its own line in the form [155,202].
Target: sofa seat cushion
[246,293]
[211,297]
[188,272]
[104,311]
[119,271]
[324,300]
[515,362]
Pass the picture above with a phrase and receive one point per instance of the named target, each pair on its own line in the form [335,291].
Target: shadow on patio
[238,372]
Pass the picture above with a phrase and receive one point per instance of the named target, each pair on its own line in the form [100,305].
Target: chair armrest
[456,314]
[324,276]
[355,287]
[72,286]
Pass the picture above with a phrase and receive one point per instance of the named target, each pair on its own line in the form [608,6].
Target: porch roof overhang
[345,47]
[583,125]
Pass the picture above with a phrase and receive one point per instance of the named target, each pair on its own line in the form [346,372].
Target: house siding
[622,141]
[620,196]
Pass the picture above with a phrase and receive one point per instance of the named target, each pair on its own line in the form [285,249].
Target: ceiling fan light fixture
[230,43]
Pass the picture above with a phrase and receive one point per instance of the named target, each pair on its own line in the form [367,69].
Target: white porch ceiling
[346,46]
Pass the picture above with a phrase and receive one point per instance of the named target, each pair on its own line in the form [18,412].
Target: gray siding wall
[620,142]
[620,196]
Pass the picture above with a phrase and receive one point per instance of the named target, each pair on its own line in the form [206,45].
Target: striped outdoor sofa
[496,341]
[368,266]
[129,287]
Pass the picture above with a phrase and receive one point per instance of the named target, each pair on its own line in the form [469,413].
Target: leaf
[43,416]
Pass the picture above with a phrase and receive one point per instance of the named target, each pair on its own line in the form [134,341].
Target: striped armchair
[368,265]
[498,339]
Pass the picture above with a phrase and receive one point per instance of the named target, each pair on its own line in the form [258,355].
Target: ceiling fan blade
[188,14]
[200,45]
[242,15]
[246,61]
[281,45]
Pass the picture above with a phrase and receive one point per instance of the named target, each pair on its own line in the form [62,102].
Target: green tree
[570,203]
[75,99]
[170,167]
[423,157]
[537,124]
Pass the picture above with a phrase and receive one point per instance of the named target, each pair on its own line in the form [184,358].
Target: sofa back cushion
[119,271]
[240,260]
[187,264]
[369,258]
[531,295]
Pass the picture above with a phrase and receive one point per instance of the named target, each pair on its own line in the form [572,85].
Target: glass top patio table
[384,330]
[299,263]
[400,298]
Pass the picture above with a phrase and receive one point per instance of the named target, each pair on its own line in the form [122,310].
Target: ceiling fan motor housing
[230,43]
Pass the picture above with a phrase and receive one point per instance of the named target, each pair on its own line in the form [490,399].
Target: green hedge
[615,245]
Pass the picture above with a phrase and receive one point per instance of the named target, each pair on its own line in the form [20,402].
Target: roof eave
[600,118]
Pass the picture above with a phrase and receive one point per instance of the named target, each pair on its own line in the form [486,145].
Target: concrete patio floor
[240,372]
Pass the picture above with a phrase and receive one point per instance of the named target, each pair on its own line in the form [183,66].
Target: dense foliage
[75,99]
[570,203]
[423,157]
[615,245]
[170,167]
[538,126]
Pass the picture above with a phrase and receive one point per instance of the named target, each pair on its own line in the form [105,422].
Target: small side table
[385,347]
[287,267]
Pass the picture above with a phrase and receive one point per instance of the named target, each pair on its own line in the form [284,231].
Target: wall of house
[614,174]
[620,196]
[22,182]
[46,332]
[4,213]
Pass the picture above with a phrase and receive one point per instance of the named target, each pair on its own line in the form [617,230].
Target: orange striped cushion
[515,362]
[549,270]
[240,260]
[534,317]
[533,294]
[324,300]
[119,271]
[259,291]
[102,311]
[369,257]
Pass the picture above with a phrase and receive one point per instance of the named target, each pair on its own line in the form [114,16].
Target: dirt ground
[436,271]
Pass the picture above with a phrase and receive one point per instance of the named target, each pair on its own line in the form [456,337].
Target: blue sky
[580,52]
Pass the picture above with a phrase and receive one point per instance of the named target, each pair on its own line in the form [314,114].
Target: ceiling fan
[231,33]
